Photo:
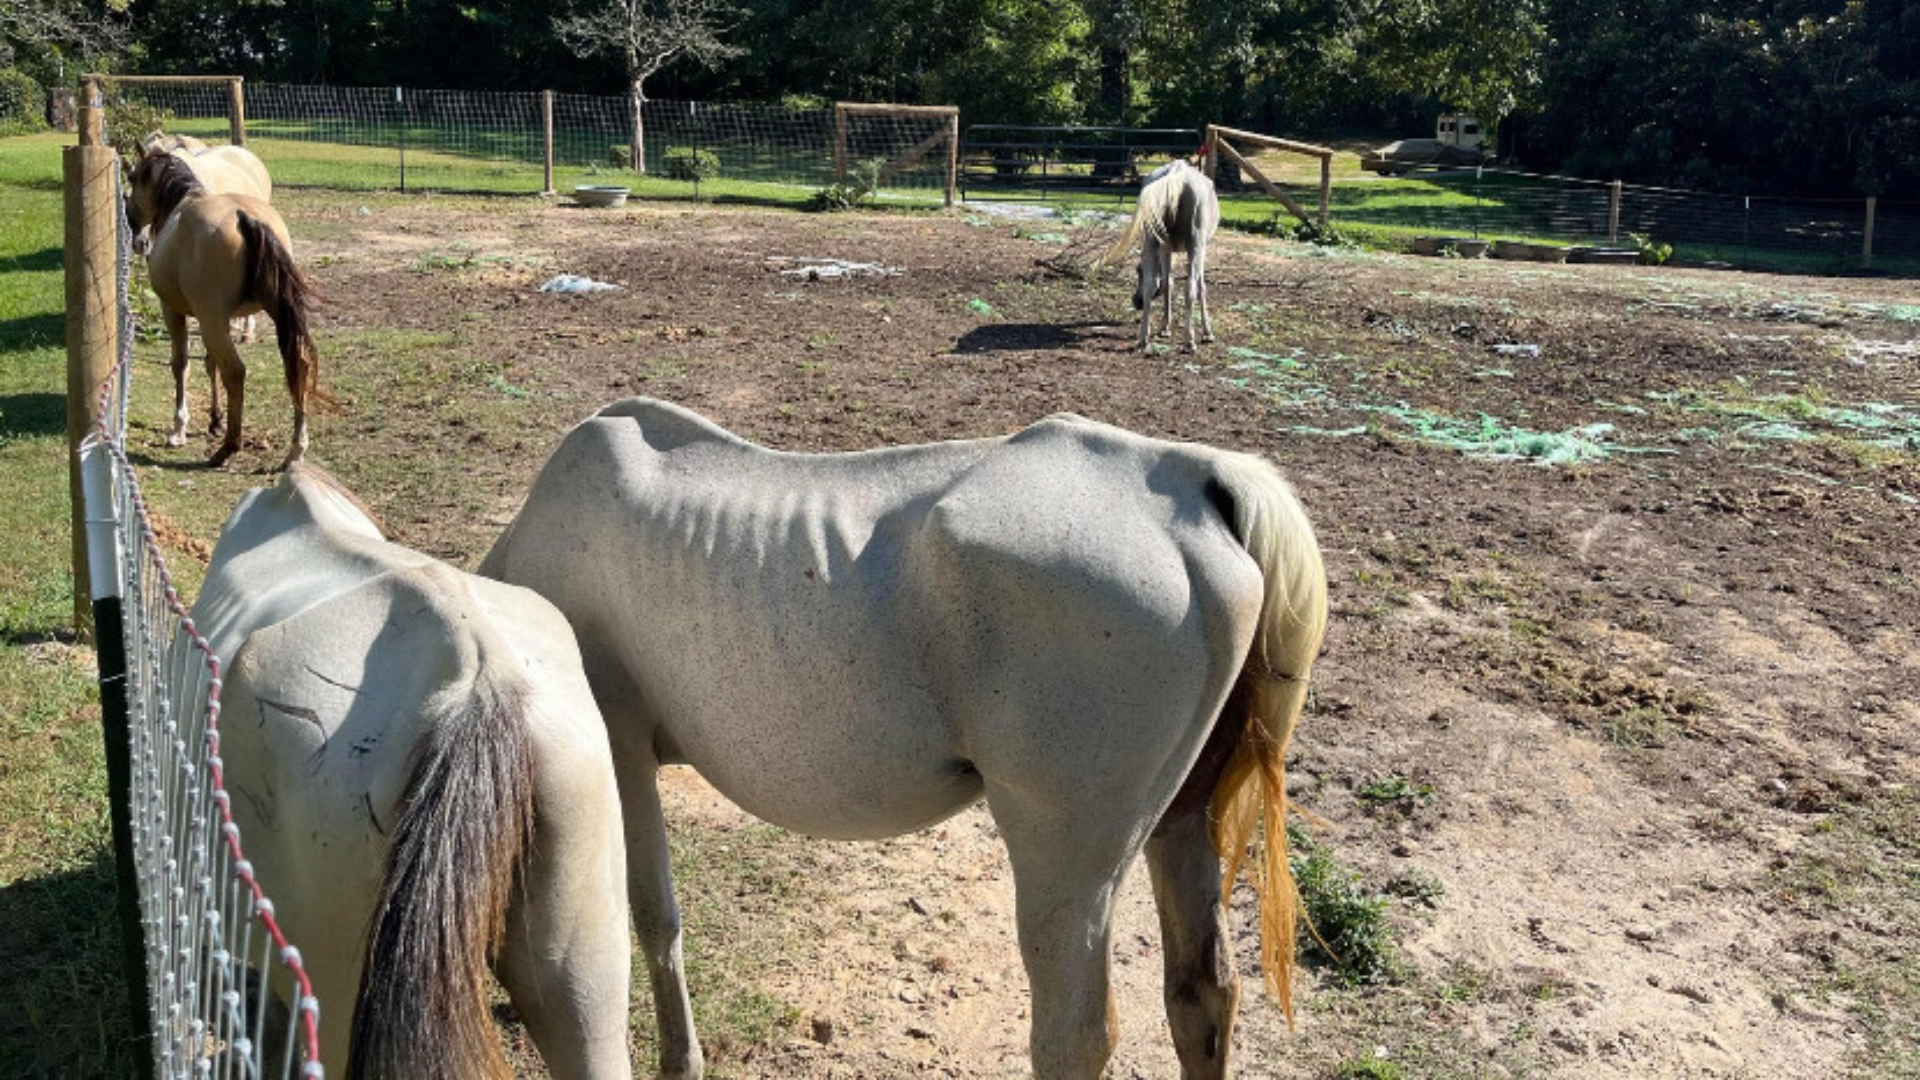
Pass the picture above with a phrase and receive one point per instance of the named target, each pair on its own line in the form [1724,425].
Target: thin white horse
[420,776]
[1107,636]
[1178,211]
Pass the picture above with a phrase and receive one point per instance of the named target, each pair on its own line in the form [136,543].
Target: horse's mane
[308,471]
[169,178]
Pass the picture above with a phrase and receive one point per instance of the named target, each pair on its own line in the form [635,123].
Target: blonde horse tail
[1251,794]
[1156,199]
[278,286]
[457,851]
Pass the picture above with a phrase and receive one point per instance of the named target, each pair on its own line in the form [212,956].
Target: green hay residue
[1489,438]
[1795,418]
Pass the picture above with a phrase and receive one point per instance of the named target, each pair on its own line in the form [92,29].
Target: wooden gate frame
[93,89]
[949,134]
[1217,145]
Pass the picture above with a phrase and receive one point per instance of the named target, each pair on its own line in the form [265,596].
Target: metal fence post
[110,649]
[400,121]
[1613,216]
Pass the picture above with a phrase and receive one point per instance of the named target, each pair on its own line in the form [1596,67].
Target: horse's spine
[276,283]
[458,848]
[1251,795]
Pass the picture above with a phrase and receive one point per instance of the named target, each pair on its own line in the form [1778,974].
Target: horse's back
[839,641]
[228,170]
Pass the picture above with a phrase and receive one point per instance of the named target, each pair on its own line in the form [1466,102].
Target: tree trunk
[639,148]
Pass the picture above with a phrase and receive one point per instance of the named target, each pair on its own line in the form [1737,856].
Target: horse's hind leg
[1202,989]
[656,917]
[1197,290]
[566,959]
[177,361]
[223,357]
[1166,292]
[1065,875]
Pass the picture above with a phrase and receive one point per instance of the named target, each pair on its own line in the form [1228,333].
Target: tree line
[1806,97]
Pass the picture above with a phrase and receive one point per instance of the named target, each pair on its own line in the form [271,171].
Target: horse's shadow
[1029,337]
[64,1001]
[64,986]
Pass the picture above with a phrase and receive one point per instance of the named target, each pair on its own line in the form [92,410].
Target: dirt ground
[1623,726]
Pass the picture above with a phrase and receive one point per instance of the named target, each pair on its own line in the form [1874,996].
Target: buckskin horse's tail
[457,851]
[275,283]
[1251,794]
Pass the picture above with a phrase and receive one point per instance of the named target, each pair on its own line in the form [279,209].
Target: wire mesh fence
[227,995]
[401,138]
[1701,228]
[398,138]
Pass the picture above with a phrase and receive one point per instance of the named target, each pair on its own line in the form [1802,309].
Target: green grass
[61,997]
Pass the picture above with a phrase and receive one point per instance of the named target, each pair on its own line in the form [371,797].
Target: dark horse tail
[458,848]
[278,286]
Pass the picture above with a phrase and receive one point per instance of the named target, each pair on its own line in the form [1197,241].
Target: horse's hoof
[220,456]
[176,438]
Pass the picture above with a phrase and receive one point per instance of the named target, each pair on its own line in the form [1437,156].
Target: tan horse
[1106,636]
[215,256]
[225,170]
[418,769]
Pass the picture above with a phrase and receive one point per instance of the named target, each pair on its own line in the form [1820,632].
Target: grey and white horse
[419,774]
[1178,212]
[1107,636]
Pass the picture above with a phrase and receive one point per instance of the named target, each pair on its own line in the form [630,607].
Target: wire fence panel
[220,974]
[398,138]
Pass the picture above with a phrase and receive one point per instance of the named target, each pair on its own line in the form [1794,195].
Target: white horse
[1178,211]
[1106,635]
[421,779]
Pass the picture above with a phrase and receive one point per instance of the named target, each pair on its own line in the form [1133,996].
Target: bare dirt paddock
[1627,741]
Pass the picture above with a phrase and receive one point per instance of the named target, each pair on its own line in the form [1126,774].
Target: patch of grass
[62,1001]
[1395,789]
[1369,1068]
[1350,932]
[734,886]
[1859,873]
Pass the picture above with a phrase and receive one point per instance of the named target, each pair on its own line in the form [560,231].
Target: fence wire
[388,138]
[401,138]
[220,973]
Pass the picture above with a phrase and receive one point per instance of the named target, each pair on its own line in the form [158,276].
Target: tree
[648,35]
[41,29]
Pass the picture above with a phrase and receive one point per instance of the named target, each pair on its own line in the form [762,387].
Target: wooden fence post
[546,138]
[91,115]
[92,250]
[1613,215]
[1326,188]
[237,111]
[840,143]
[1866,238]
[953,157]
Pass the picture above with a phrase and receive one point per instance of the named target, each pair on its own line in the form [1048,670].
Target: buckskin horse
[215,256]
